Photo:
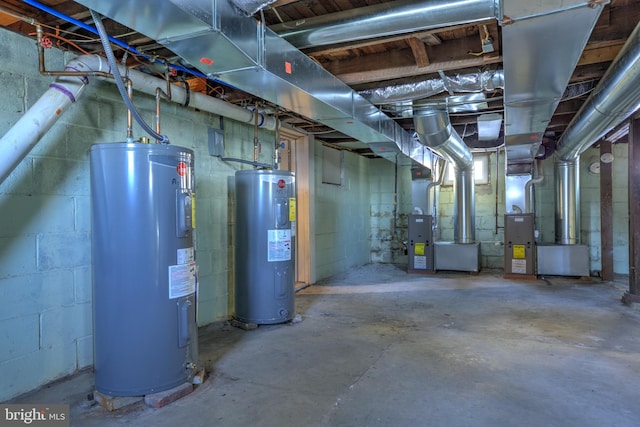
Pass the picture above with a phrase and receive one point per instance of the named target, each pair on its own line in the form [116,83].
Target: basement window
[480,170]
[332,166]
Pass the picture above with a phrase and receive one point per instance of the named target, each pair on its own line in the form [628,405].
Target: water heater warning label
[279,245]
[182,280]
[185,256]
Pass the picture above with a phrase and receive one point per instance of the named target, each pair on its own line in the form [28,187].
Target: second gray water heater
[265,246]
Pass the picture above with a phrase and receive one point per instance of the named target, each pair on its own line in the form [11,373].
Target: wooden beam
[360,77]
[6,19]
[282,3]
[419,52]
[604,52]
[606,214]
[397,63]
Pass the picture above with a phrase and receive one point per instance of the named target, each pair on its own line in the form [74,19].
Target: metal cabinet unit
[265,246]
[420,244]
[144,270]
[519,244]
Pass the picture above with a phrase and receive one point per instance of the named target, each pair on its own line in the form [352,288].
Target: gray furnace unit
[420,249]
[519,245]
[265,246]
[144,270]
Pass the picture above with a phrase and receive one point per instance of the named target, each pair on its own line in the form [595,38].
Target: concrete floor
[378,347]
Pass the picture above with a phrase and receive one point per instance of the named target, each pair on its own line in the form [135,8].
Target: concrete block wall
[342,216]
[590,207]
[620,208]
[45,218]
[389,232]
[545,202]
[490,237]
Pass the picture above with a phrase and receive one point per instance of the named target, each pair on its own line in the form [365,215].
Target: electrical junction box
[420,244]
[519,244]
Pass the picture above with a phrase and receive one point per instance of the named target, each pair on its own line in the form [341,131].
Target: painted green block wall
[488,202]
[45,219]
[590,207]
[342,223]
[390,206]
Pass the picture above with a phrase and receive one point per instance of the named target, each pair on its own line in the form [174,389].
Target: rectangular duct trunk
[537,71]
[219,40]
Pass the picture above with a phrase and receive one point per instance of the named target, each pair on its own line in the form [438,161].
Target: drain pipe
[615,99]
[434,130]
[27,131]
[68,87]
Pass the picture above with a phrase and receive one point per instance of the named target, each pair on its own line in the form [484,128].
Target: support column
[606,214]
[633,295]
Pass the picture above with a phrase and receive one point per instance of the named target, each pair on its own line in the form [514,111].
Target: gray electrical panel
[519,244]
[265,246]
[420,244]
[144,271]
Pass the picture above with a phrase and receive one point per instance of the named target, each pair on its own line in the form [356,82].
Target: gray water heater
[265,246]
[144,270]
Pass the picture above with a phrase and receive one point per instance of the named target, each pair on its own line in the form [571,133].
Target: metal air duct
[436,132]
[399,17]
[223,43]
[530,31]
[533,89]
[615,98]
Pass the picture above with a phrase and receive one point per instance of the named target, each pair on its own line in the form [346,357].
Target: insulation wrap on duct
[485,81]
[251,6]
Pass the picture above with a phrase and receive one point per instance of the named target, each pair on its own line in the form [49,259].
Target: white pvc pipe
[27,131]
[36,122]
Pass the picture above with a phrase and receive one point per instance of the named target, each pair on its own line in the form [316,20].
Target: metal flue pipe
[616,97]
[528,189]
[434,130]
[65,90]
[398,17]
[567,202]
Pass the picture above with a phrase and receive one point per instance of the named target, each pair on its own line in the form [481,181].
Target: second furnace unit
[519,245]
[420,246]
